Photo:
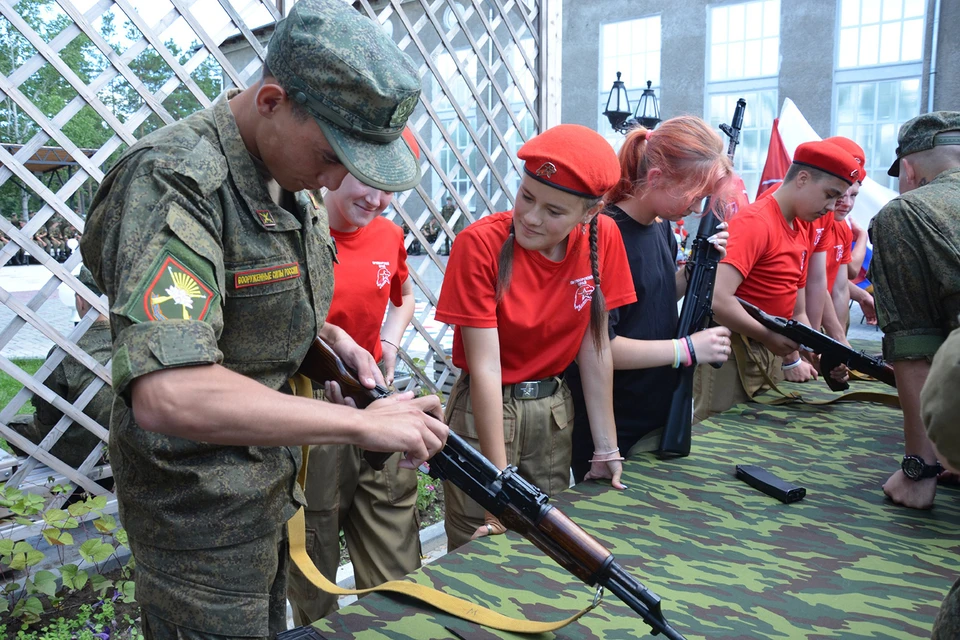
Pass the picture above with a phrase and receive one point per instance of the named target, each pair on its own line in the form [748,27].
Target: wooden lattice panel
[81,80]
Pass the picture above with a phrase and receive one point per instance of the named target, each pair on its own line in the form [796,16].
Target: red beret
[853,149]
[572,158]
[829,158]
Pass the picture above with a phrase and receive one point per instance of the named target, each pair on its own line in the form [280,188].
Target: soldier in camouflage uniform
[55,233]
[217,261]
[915,272]
[940,406]
[68,381]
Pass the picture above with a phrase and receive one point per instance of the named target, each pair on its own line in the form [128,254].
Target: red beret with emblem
[572,158]
[829,158]
[853,149]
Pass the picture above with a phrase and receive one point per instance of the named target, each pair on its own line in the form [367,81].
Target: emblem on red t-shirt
[816,239]
[803,260]
[383,274]
[584,292]
[839,250]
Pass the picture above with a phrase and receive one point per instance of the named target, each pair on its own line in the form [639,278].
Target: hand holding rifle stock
[519,505]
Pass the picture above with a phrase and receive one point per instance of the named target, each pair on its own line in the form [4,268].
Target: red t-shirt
[839,251]
[769,255]
[371,267]
[546,311]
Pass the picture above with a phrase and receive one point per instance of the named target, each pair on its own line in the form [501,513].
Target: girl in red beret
[528,291]
[665,176]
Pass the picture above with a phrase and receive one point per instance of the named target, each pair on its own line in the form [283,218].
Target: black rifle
[832,353]
[697,311]
[518,504]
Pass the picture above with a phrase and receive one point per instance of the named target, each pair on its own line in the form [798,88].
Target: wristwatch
[916,468]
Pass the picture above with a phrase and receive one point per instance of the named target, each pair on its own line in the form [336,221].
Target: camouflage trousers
[377,511]
[538,435]
[737,381]
[947,624]
[231,592]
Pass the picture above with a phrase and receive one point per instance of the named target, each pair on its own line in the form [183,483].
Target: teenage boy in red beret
[528,291]
[764,265]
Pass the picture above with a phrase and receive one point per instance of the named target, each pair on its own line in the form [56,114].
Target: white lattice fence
[81,80]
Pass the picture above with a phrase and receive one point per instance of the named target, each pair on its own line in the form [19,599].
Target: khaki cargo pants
[738,380]
[539,440]
[377,511]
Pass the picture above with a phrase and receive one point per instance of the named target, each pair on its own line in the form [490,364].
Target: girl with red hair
[665,175]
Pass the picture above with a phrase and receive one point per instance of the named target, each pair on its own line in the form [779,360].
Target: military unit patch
[172,292]
[254,277]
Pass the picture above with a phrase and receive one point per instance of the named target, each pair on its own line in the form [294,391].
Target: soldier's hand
[490,527]
[915,494]
[360,360]
[404,423]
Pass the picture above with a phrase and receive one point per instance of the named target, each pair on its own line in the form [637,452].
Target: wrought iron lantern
[618,108]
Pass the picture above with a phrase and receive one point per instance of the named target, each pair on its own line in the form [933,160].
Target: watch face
[913,467]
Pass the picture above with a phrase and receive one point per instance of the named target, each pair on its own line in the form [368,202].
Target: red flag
[740,197]
[778,161]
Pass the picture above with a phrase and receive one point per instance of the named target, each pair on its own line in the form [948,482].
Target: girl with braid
[528,291]
[665,176]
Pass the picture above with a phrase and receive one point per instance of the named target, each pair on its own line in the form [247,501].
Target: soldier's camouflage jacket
[201,267]
[915,269]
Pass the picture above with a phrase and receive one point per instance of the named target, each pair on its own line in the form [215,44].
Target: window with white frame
[878,65]
[631,47]
[456,129]
[743,61]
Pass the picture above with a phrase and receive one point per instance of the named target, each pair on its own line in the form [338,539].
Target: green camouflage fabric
[915,271]
[940,402]
[925,132]
[728,561]
[68,381]
[187,205]
[358,85]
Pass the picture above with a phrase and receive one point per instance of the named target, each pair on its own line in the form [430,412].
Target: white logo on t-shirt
[584,292]
[383,274]
[839,248]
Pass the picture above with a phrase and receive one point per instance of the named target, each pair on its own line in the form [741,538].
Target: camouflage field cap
[355,82]
[926,132]
[87,278]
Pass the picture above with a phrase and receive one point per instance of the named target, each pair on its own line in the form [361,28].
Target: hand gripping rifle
[697,311]
[832,353]
[518,504]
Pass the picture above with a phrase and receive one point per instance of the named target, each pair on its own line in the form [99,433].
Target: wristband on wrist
[676,354]
[390,343]
[687,361]
[792,365]
[693,354]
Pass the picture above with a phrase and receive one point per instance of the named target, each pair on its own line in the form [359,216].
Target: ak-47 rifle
[518,504]
[697,310]
[832,353]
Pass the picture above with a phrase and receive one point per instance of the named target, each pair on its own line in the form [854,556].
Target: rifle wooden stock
[832,353]
[520,506]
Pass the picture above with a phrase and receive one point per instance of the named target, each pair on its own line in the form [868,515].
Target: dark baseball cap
[924,133]
[355,82]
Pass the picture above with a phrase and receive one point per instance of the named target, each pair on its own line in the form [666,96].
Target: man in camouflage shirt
[217,261]
[915,272]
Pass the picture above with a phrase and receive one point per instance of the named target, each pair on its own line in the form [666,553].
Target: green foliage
[429,499]
[9,387]
[27,599]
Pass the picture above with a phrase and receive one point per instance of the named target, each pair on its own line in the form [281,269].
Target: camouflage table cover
[728,561]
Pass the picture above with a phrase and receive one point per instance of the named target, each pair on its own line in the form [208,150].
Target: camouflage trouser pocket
[459,414]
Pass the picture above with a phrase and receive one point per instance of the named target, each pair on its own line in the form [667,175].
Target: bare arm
[911,374]
[210,403]
[840,297]
[859,251]
[729,313]
[596,373]
[482,350]
[393,327]
[815,296]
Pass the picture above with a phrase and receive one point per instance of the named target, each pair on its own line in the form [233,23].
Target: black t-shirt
[641,397]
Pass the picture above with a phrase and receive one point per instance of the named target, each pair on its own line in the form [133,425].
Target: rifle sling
[452,605]
[742,352]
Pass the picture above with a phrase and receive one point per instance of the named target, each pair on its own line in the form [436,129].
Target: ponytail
[505,265]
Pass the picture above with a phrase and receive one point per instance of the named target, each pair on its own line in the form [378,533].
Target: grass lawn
[9,387]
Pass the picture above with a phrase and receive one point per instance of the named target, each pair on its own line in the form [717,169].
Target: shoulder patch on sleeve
[179,285]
